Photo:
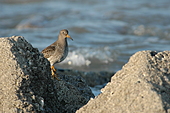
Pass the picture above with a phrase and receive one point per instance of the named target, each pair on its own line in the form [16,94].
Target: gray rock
[91,78]
[26,85]
[142,86]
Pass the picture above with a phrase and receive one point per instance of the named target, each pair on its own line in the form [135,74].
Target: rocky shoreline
[141,86]
[26,85]
[91,78]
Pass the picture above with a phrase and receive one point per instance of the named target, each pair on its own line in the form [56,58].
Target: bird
[57,51]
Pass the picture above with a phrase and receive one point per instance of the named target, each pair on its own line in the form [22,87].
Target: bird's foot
[54,74]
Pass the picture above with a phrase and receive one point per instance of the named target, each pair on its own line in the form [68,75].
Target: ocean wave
[85,56]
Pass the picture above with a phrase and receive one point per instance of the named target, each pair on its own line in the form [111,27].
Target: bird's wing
[48,51]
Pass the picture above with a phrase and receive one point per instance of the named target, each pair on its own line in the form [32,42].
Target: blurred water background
[105,32]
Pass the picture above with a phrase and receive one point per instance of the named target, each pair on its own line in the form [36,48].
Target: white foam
[85,56]
[76,59]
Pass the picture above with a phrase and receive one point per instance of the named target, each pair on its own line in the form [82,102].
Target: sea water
[105,32]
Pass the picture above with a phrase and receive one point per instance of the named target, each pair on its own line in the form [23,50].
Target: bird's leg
[53,68]
[53,72]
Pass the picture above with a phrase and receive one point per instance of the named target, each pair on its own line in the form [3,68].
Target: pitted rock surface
[26,85]
[141,86]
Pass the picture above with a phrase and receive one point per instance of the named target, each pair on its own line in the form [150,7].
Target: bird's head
[64,34]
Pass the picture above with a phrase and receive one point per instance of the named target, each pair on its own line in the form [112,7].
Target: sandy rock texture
[142,86]
[26,85]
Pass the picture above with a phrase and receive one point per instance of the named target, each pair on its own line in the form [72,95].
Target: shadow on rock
[27,85]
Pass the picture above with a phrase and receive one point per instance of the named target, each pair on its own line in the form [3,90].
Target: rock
[26,85]
[91,78]
[143,85]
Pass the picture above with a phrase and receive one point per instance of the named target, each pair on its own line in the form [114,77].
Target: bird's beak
[68,36]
